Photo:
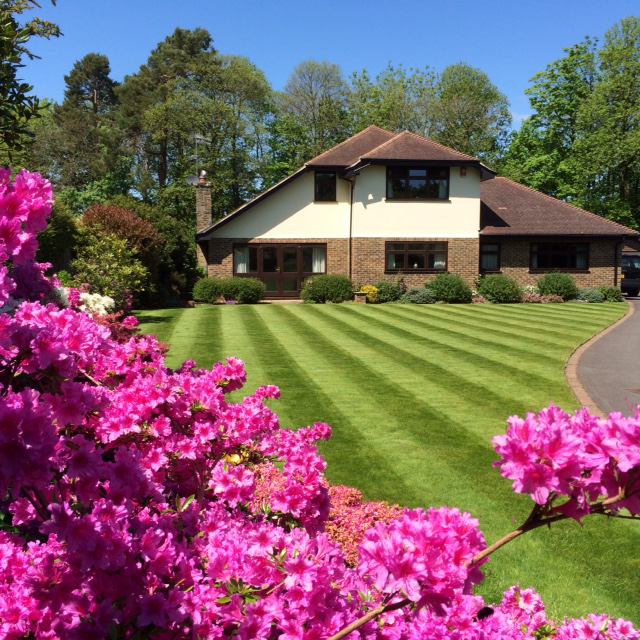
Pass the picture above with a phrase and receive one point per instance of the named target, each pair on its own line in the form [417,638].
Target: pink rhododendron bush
[139,502]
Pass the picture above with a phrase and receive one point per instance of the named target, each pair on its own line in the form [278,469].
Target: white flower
[95,303]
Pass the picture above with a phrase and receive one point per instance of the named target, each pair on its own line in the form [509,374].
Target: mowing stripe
[475,336]
[278,364]
[558,329]
[160,323]
[426,316]
[494,366]
[451,445]
[548,313]
[197,335]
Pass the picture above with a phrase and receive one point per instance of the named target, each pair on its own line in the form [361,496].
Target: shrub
[389,291]
[371,291]
[590,295]
[243,290]
[327,288]
[448,287]
[418,296]
[207,290]
[611,294]
[109,267]
[249,290]
[499,289]
[558,284]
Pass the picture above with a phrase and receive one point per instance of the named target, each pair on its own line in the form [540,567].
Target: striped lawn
[414,395]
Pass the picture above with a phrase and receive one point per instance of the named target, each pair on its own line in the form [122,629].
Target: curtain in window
[242,259]
[318,260]
[440,261]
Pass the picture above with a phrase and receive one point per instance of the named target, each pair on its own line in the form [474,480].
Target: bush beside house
[448,287]
[499,289]
[558,284]
[242,290]
[327,288]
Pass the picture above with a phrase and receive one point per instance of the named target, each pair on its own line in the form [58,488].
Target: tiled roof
[348,152]
[411,146]
[511,209]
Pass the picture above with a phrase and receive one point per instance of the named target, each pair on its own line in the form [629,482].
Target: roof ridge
[439,144]
[569,204]
[386,142]
[355,135]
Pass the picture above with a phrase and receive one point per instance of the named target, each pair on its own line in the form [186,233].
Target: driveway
[609,369]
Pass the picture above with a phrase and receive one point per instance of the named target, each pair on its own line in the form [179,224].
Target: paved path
[609,369]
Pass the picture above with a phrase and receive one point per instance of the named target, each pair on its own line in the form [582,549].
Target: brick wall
[369,260]
[515,256]
[220,252]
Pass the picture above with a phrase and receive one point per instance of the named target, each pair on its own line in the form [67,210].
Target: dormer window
[417,183]
[325,186]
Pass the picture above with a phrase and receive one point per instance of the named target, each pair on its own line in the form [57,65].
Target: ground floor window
[415,257]
[568,256]
[489,257]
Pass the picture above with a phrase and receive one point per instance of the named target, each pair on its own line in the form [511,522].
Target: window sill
[416,271]
[325,202]
[491,271]
[559,271]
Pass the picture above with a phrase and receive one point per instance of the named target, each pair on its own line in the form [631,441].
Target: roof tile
[512,209]
[349,151]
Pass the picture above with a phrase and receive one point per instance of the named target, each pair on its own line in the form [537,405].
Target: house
[382,205]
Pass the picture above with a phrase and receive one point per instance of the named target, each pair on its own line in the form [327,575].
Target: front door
[282,267]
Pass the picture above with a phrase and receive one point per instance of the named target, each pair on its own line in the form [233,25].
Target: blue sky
[509,40]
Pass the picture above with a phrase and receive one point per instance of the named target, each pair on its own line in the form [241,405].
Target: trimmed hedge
[448,287]
[558,284]
[611,294]
[418,296]
[327,288]
[389,291]
[499,289]
[242,290]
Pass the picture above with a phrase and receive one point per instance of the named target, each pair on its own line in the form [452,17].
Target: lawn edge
[571,368]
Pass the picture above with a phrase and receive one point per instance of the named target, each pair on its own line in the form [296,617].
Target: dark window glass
[270,259]
[560,255]
[416,256]
[417,183]
[631,262]
[490,257]
[290,259]
[325,186]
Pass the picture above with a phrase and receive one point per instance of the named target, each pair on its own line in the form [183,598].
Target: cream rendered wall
[290,212]
[375,217]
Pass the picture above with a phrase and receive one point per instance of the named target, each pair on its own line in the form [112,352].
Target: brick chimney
[203,203]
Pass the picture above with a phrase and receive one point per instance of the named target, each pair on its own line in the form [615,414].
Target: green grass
[414,395]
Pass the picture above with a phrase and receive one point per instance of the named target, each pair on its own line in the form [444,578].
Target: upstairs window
[417,183]
[415,257]
[565,256]
[325,186]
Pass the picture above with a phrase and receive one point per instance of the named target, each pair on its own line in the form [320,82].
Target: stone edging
[571,368]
